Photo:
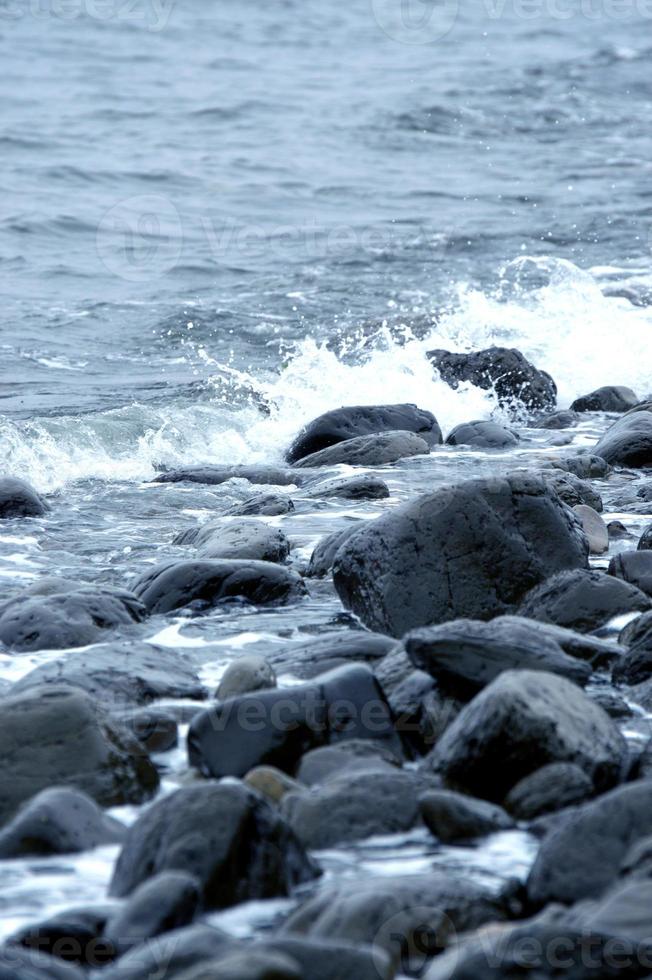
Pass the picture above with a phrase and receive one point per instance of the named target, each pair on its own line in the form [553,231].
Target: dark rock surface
[522,721]
[556,420]
[472,550]
[483,435]
[70,619]
[120,674]
[362,420]
[248,673]
[58,821]
[634,567]
[212,475]
[263,504]
[172,585]
[28,964]
[374,450]
[513,378]
[551,788]
[169,900]
[453,816]
[365,487]
[326,651]
[582,857]
[19,499]
[612,398]
[465,655]
[242,539]
[276,727]
[319,765]
[323,556]
[629,441]
[249,852]
[582,600]
[57,736]
[573,490]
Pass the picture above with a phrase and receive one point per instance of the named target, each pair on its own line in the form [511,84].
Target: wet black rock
[610,701]
[74,936]
[556,420]
[19,499]
[453,816]
[263,504]
[61,620]
[634,567]
[375,450]
[618,531]
[169,900]
[420,912]
[322,558]
[172,585]
[572,490]
[513,378]
[465,655]
[250,964]
[551,788]
[319,765]
[213,475]
[582,857]
[586,466]
[612,398]
[277,727]
[227,836]
[326,651]
[629,441]
[365,487]
[242,539]
[57,736]
[522,721]
[483,435]
[321,959]
[582,600]
[422,711]
[248,673]
[638,633]
[362,420]
[120,674]
[355,805]
[470,550]
[58,821]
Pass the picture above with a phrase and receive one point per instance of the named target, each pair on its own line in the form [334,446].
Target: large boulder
[58,821]
[582,600]
[242,539]
[611,398]
[57,736]
[172,585]
[466,655]
[634,567]
[471,550]
[483,435]
[375,450]
[120,674]
[276,727]
[362,420]
[507,372]
[524,720]
[169,900]
[355,805]
[582,856]
[233,842]
[71,619]
[19,499]
[629,441]
[551,788]
[572,489]
[397,913]
[454,816]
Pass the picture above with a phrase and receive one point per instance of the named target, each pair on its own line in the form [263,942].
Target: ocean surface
[218,220]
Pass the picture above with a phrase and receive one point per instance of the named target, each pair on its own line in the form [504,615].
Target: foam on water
[550,309]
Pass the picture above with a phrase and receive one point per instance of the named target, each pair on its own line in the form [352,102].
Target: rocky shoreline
[484,669]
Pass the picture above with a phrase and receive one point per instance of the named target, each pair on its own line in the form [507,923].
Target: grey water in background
[271,171]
